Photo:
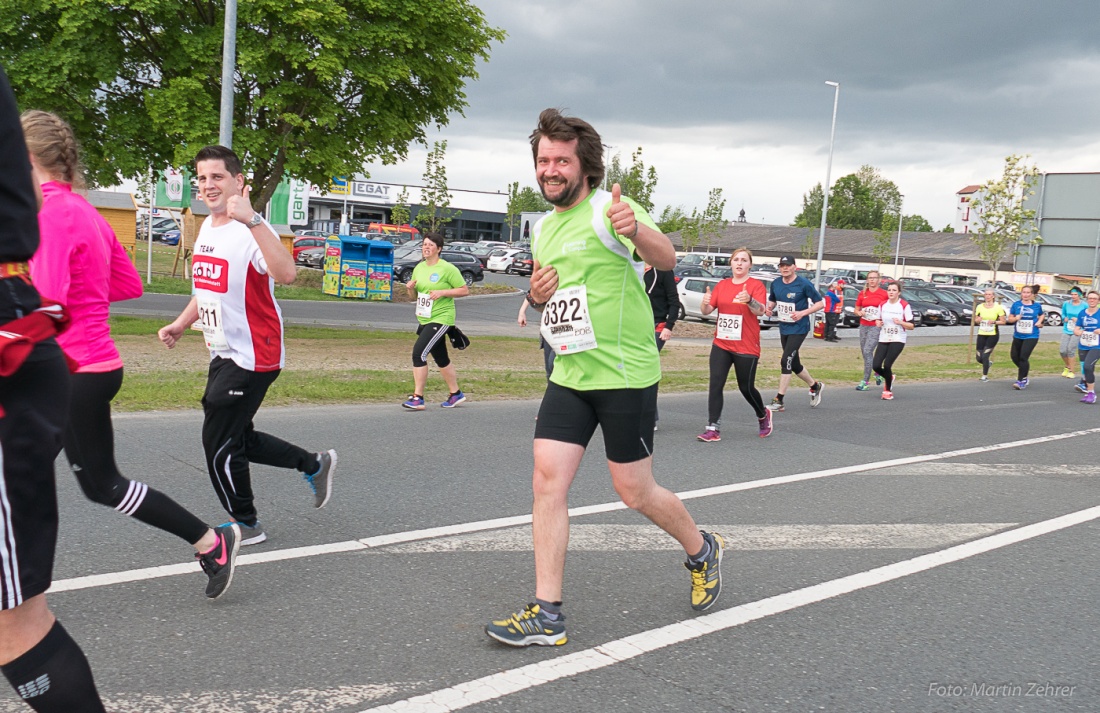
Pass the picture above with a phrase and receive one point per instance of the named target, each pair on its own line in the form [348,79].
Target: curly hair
[52,143]
[556,127]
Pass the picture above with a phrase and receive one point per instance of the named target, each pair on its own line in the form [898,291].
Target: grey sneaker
[815,393]
[321,481]
[528,627]
[253,535]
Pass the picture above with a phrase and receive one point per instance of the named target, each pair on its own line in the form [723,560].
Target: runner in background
[793,298]
[868,301]
[436,283]
[739,301]
[1087,329]
[547,352]
[895,319]
[43,664]
[81,264]
[834,307]
[1027,315]
[660,285]
[1067,348]
[988,316]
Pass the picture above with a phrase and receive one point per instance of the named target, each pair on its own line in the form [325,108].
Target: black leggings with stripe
[744,369]
[89,444]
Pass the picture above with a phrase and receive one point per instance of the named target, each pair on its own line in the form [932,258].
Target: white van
[705,260]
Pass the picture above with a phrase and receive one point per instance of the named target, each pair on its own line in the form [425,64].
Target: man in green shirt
[590,254]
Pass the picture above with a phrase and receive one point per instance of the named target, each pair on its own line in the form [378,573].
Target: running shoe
[1090,398]
[984,378]
[878,380]
[414,403]
[706,576]
[454,400]
[862,386]
[527,628]
[220,562]
[1068,374]
[321,481]
[1080,386]
[250,535]
[1018,385]
[710,435]
[815,393]
[1023,384]
[887,395]
[775,405]
[766,424]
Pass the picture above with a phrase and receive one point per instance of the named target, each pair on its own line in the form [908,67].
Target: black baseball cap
[786,260]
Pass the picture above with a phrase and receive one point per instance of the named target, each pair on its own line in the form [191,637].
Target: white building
[966,218]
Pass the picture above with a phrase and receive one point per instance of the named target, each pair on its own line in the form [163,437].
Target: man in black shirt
[37,656]
[660,285]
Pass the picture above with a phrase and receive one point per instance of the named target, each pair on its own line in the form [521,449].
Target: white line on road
[505,683]
[650,538]
[100,580]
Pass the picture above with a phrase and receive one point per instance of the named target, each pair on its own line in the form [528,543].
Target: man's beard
[566,198]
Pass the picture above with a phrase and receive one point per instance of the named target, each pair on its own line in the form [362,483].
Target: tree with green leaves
[1003,225]
[916,224]
[857,201]
[435,198]
[948,229]
[523,200]
[322,87]
[884,248]
[672,219]
[712,220]
[400,214]
[809,246]
[637,181]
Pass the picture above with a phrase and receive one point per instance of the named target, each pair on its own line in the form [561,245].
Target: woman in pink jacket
[81,264]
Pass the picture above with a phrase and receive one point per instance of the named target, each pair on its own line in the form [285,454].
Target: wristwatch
[254,221]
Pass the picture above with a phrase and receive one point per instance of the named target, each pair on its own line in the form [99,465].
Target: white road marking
[1011,469]
[639,538]
[100,580]
[504,683]
[302,700]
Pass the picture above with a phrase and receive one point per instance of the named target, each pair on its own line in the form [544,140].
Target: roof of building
[934,249]
[968,190]
[112,199]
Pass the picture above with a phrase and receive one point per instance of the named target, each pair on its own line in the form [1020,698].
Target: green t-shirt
[442,276]
[580,244]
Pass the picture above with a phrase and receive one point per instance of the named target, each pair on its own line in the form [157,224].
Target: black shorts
[35,401]
[625,416]
[431,338]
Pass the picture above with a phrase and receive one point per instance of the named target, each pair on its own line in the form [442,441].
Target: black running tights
[1021,356]
[89,443]
[744,367]
[886,353]
[986,344]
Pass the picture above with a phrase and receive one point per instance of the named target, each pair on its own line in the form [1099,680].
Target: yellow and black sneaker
[706,576]
[527,628]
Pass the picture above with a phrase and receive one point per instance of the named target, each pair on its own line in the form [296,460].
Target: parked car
[311,233]
[311,257]
[692,289]
[931,313]
[958,313]
[170,237]
[523,263]
[681,271]
[309,241]
[466,263]
[500,259]
[482,252]
[492,244]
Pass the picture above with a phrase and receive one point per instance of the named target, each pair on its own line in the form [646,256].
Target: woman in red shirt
[739,301]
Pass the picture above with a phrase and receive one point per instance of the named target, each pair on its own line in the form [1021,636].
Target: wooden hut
[120,212]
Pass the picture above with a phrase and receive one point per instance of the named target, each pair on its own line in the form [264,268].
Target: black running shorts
[625,416]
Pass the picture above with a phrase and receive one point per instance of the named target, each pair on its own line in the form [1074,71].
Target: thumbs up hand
[240,207]
[744,297]
[706,298]
[623,220]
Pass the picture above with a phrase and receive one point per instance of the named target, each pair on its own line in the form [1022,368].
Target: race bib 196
[785,311]
[729,327]
[213,329]
[565,322]
[424,305]
[1025,326]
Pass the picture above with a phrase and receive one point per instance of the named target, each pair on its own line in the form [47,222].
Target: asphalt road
[934,553]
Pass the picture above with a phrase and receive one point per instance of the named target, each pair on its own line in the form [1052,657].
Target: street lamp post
[828,175]
[229,63]
[897,255]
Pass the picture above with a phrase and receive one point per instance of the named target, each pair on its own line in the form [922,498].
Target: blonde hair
[52,143]
[741,250]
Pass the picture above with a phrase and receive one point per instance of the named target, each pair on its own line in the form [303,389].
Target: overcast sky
[732,94]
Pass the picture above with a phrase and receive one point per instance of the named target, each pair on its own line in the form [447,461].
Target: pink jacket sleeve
[51,266]
[125,280]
